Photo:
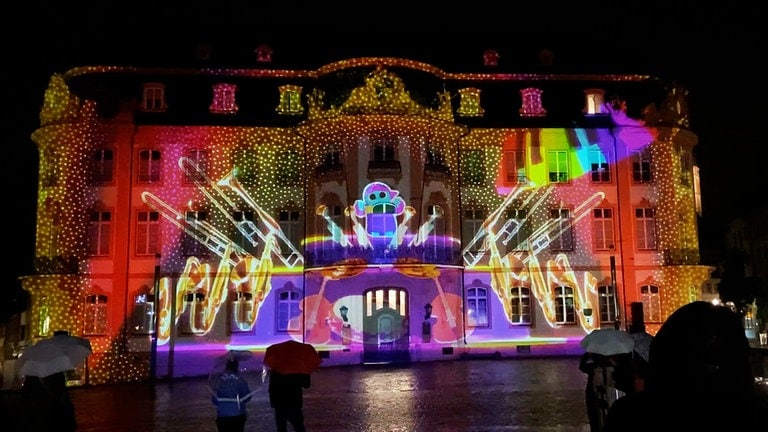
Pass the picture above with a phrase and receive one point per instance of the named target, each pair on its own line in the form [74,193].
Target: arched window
[477,307]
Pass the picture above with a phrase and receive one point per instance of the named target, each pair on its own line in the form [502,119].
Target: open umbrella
[608,342]
[59,353]
[642,343]
[292,357]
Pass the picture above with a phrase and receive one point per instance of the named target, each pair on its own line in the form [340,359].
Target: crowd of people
[697,376]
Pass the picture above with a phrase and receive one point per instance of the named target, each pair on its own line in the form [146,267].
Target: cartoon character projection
[380,206]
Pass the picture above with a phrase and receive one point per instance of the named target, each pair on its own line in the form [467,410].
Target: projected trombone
[472,254]
[247,228]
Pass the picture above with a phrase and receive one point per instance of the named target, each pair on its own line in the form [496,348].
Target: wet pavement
[479,395]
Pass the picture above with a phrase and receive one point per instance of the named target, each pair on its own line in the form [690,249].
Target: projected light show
[380,209]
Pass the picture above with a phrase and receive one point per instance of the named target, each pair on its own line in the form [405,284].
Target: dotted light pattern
[260,154]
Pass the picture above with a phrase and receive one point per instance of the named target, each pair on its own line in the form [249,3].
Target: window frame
[100,233]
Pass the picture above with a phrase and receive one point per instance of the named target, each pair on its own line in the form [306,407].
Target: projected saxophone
[200,291]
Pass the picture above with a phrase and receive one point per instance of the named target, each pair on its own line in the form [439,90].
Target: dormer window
[290,100]
[595,98]
[532,106]
[263,54]
[491,57]
[154,98]
[469,103]
[224,99]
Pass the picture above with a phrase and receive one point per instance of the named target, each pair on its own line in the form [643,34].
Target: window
[562,239]
[598,166]
[606,298]
[190,245]
[557,165]
[290,224]
[192,320]
[247,230]
[472,223]
[149,166]
[245,165]
[515,232]
[595,98]
[102,166]
[532,106]
[224,101]
[564,310]
[435,157]
[147,232]
[196,171]
[645,228]
[143,315]
[649,295]
[473,168]
[332,157]
[477,307]
[50,168]
[288,313]
[54,229]
[641,166]
[686,167]
[385,149]
[290,100]
[99,233]
[520,305]
[154,98]
[602,228]
[514,166]
[332,221]
[242,311]
[95,322]
[435,241]
[288,168]
[469,103]
[697,189]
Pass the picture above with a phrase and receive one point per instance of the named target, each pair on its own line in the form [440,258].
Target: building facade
[381,209]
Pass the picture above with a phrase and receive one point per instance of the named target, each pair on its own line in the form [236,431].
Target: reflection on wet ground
[541,394]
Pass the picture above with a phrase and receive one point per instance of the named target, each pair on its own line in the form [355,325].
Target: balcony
[389,168]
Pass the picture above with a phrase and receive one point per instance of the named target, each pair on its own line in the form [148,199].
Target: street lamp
[426,327]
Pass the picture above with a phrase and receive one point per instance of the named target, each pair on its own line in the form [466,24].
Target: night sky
[714,50]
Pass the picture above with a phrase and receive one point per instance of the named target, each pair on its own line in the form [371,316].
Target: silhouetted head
[232,366]
[701,354]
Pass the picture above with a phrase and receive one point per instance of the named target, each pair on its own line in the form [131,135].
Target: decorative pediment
[383,93]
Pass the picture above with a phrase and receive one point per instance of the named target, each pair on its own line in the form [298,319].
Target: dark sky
[714,50]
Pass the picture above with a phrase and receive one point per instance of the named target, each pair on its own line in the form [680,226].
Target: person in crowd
[699,377]
[230,399]
[286,396]
[46,404]
[592,364]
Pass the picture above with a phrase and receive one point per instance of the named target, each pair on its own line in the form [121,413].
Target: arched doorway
[386,332]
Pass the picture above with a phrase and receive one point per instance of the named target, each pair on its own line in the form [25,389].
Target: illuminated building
[382,209]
